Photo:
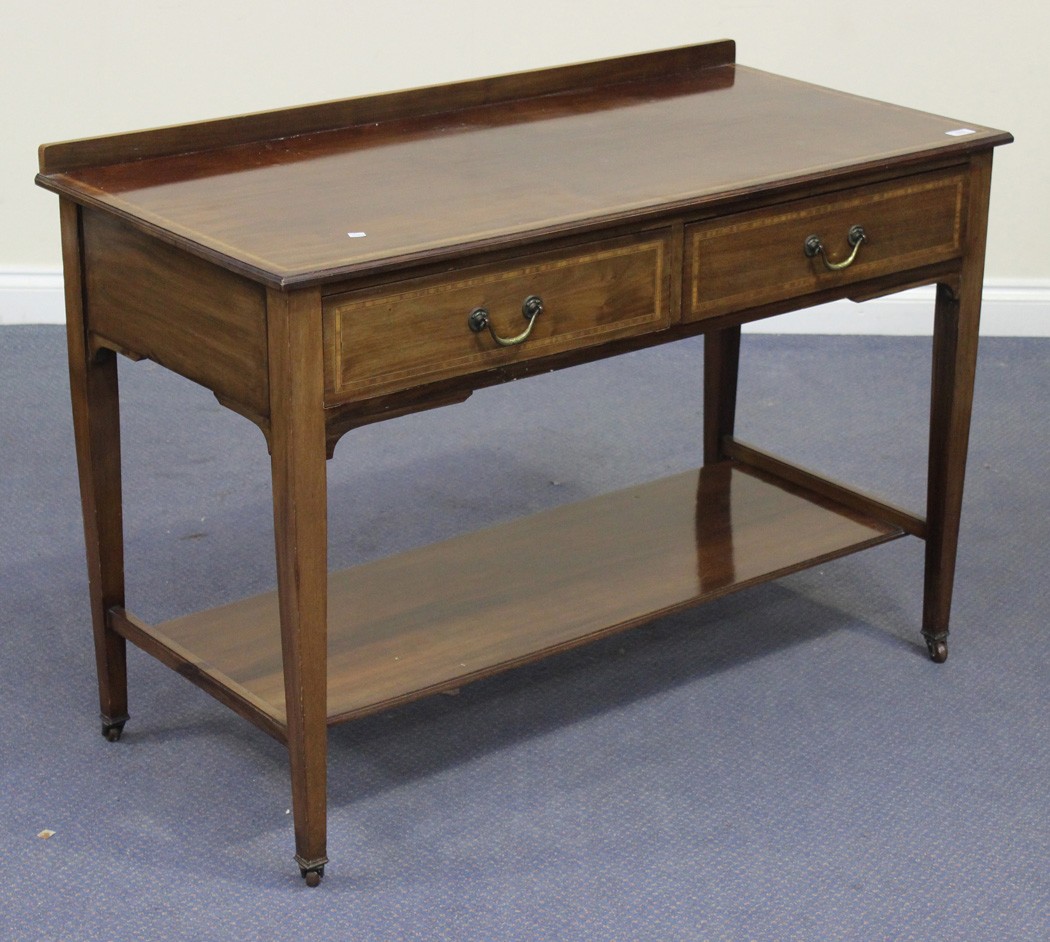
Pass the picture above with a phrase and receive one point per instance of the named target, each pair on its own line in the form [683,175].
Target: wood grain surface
[456,611]
[429,186]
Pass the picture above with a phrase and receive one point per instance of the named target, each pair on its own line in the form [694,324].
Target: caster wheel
[312,877]
[938,650]
[112,731]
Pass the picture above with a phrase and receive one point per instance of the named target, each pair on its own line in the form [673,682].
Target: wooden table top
[288,209]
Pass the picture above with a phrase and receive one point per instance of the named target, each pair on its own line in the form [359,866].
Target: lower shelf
[446,614]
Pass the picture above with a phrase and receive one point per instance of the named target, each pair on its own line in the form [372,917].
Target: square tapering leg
[298,459]
[955,335]
[721,368]
[96,427]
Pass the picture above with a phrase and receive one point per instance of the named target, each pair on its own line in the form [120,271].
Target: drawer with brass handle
[396,336]
[793,249]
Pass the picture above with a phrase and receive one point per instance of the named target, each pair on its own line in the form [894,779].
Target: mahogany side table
[324,267]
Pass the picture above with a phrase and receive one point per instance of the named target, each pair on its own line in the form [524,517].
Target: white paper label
[357,235]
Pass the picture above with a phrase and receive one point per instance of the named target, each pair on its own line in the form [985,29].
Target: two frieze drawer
[394,336]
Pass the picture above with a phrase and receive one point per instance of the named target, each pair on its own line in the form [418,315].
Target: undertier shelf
[452,612]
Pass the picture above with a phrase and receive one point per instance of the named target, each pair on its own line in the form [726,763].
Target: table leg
[298,457]
[955,332]
[721,366]
[96,428]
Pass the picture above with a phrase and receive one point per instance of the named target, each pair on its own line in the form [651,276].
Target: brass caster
[312,876]
[111,729]
[938,649]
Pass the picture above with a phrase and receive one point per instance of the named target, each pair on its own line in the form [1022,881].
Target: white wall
[81,69]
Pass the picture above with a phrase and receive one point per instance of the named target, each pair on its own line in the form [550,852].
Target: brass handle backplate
[531,308]
[815,246]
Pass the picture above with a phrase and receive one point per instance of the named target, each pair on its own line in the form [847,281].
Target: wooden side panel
[397,336]
[148,299]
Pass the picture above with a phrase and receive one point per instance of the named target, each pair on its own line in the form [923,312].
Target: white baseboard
[1018,308]
[31,297]
[1009,309]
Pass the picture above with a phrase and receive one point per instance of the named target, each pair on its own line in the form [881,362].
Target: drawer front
[396,336]
[758,257]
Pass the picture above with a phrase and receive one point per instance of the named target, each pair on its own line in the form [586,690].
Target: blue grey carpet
[783,764]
